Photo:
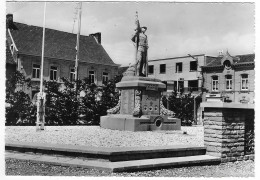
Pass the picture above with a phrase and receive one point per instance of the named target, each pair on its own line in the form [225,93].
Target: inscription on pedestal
[151,103]
[127,101]
[152,87]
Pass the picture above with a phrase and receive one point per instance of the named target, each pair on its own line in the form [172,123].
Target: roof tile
[59,44]
[216,61]
[9,56]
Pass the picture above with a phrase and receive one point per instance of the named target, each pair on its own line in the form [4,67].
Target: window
[214,83]
[227,64]
[244,82]
[193,66]
[53,73]
[179,86]
[228,82]
[179,67]
[72,74]
[193,85]
[91,76]
[36,71]
[105,77]
[150,69]
[162,68]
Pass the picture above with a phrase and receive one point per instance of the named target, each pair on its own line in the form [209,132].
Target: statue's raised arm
[140,39]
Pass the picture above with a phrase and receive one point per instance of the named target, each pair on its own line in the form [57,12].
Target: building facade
[230,79]
[181,74]
[25,45]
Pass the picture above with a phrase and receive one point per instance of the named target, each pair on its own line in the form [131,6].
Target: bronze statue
[141,41]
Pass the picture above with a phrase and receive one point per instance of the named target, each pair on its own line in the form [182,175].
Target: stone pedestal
[226,126]
[140,107]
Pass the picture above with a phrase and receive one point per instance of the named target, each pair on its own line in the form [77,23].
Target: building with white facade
[181,74]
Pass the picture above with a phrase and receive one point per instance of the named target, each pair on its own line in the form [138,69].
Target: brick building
[184,71]
[229,78]
[24,49]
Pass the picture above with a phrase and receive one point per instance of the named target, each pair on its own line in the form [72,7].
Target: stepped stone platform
[115,159]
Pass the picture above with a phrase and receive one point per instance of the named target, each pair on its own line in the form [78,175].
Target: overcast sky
[174,29]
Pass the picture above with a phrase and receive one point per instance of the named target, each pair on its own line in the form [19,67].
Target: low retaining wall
[229,131]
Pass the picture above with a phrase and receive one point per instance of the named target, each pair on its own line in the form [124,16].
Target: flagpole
[137,36]
[78,37]
[43,39]
[40,103]
[146,66]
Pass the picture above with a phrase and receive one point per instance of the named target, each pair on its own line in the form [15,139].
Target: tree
[62,102]
[52,113]
[98,100]
[183,106]
[19,110]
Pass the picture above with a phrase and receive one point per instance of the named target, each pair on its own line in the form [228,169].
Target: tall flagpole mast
[137,40]
[78,36]
[40,99]
[43,39]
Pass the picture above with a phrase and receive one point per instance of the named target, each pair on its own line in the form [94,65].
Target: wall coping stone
[140,83]
[227,105]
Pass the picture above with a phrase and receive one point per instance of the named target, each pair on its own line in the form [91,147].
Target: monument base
[144,123]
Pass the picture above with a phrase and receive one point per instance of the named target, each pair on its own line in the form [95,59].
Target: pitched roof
[216,61]
[9,57]
[213,61]
[122,69]
[246,58]
[59,45]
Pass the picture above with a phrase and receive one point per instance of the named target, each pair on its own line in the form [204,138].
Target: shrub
[20,106]
[183,106]
[64,105]
[98,100]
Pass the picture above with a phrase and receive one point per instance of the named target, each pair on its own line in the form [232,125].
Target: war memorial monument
[140,106]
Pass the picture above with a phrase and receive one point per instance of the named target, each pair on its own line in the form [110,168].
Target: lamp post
[177,80]
[194,101]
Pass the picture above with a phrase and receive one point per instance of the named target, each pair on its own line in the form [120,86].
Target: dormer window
[227,64]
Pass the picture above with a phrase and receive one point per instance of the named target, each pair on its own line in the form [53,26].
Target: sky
[174,29]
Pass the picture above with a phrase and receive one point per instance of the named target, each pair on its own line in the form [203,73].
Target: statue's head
[144,29]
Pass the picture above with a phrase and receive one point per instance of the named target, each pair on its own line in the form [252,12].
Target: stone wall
[224,133]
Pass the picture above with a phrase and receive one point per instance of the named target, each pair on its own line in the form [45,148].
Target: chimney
[10,22]
[97,36]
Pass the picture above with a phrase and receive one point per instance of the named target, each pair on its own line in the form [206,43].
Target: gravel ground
[95,136]
[27,168]
[98,137]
